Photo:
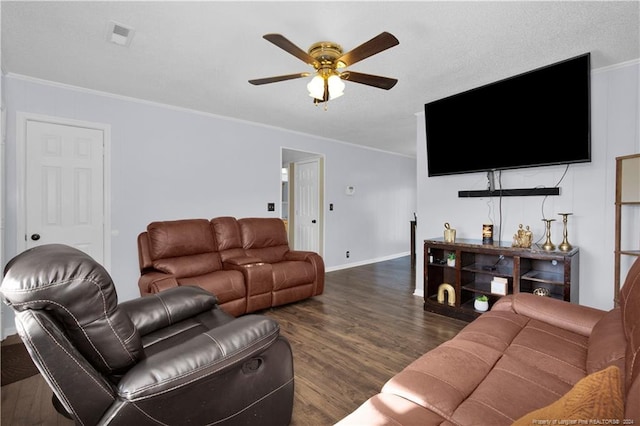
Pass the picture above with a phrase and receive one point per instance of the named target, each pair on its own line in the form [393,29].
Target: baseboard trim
[367,262]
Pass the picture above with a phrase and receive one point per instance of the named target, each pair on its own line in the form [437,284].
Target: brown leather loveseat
[531,360]
[245,262]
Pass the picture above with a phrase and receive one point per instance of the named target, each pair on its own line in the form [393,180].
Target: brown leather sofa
[245,262]
[173,358]
[530,360]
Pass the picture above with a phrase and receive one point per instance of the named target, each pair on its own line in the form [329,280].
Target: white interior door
[64,186]
[307,205]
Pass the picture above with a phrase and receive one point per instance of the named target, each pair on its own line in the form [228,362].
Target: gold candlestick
[548,245]
[565,246]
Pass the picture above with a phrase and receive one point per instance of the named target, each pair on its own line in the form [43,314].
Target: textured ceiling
[199,55]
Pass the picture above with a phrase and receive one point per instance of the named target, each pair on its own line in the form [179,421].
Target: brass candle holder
[565,246]
[548,245]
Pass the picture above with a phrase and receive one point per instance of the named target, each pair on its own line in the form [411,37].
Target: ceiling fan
[328,60]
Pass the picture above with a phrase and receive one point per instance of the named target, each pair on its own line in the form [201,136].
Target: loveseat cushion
[180,238]
[183,247]
[264,238]
[227,233]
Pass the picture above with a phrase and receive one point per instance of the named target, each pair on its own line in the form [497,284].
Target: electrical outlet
[348,254]
[271,207]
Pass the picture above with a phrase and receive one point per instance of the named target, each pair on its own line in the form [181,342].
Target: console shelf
[477,264]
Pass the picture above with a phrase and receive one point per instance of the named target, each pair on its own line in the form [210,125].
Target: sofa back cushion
[183,248]
[264,238]
[607,343]
[630,310]
[228,238]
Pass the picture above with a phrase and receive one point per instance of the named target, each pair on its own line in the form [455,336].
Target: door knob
[35,237]
[313,221]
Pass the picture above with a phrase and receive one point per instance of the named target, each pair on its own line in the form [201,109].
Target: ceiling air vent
[119,34]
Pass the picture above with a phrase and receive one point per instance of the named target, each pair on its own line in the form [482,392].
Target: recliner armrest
[160,310]
[569,316]
[197,359]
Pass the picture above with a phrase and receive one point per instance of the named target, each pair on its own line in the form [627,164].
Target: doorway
[303,199]
[63,184]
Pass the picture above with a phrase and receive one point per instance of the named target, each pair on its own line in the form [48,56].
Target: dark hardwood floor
[347,343]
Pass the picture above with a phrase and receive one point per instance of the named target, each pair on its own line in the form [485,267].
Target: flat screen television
[538,118]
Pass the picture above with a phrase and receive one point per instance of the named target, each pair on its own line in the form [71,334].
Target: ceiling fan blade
[368,79]
[382,41]
[278,78]
[286,45]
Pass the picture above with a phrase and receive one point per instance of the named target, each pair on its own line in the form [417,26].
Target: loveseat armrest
[316,261]
[569,316]
[300,255]
[155,282]
[160,310]
[196,360]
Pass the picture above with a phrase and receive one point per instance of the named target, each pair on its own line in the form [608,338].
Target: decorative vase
[451,262]
[481,305]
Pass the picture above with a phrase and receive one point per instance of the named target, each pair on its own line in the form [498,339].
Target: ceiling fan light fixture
[316,87]
[336,86]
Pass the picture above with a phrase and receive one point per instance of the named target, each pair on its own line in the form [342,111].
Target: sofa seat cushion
[435,381]
[510,390]
[388,409]
[291,273]
[560,352]
[226,285]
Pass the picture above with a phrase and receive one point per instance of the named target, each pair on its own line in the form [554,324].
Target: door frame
[21,176]
[296,156]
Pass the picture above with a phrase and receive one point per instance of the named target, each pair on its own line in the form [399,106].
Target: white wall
[588,190]
[169,163]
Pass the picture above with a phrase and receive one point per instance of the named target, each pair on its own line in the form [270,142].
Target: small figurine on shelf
[451,259]
[481,303]
[523,237]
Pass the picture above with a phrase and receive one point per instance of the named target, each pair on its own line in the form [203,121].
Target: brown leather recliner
[171,358]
